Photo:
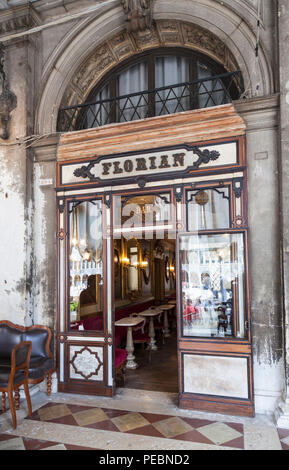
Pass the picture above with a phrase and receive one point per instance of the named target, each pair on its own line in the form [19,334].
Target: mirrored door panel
[213,285]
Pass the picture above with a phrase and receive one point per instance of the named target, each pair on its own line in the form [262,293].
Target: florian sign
[147,165]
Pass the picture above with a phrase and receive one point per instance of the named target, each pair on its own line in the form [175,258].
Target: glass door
[215,360]
[85,318]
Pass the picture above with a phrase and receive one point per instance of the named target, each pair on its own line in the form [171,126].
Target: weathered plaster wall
[44,242]
[16,201]
[283,14]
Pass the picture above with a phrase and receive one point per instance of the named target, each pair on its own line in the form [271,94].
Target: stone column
[283,15]
[261,118]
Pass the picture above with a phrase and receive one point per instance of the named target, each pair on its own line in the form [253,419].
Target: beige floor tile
[95,415]
[130,421]
[219,433]
[172,427]
[261,438]
[12,444]
[53,412]
[56,447]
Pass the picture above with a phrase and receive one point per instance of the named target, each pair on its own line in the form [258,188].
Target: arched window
[156,83]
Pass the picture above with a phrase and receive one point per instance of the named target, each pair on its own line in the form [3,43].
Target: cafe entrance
[153,245]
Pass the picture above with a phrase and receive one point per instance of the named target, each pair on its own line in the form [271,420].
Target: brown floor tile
[148,430]
[197,423]
[5,437]
[237,443]
[79,408]
[283,433]
[69,419]
[153,418]
[104,425]
[73,447]
[114,413]
[237,426]
[284,446]
[35,444]
[194,436]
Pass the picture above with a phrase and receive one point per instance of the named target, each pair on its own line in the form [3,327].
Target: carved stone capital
[18,19]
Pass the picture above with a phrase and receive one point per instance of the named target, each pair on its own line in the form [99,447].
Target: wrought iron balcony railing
[203,93]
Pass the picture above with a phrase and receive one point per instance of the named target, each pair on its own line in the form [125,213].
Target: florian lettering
[179,159]
[144,164]
[117,170]
[106,167]
[164,162]
[128,166]
[153,163]
[141,164]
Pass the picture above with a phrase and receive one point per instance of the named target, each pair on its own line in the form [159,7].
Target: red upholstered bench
[95,322]
[120,362]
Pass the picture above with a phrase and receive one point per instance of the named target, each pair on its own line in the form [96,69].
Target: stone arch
[203,25]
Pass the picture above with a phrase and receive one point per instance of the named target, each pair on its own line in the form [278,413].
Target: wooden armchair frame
[11,386]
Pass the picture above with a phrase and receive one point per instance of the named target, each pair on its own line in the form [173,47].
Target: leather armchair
[41,364]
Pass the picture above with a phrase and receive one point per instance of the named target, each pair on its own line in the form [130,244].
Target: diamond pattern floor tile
[93,415]
[172,427]
[219,433]
[225,434]
[129,421]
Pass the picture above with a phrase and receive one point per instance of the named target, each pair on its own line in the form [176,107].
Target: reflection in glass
[86,265]
[213,285]
[144,210]
[208,209]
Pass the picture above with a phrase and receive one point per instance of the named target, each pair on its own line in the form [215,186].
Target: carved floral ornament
[162,33]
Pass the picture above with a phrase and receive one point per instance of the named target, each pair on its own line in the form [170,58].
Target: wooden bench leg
[17,399]
[49,383]
[3,405]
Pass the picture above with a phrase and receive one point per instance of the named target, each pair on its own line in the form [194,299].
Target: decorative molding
[61,234]
[163,33]
[61,205]
[18,19]
[205,156]
[238,222]
[138,14]
[86,362]
[108,199]
[141,182]
[84,171]
[238,184]
[8,100]
[178,192]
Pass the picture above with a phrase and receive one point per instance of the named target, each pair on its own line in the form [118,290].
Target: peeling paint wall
[15,195]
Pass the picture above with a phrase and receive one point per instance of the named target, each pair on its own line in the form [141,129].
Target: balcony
[206,92]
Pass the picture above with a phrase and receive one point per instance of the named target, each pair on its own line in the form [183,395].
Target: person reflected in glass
[88,295]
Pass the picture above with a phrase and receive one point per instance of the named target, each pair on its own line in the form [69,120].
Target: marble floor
[130,421]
